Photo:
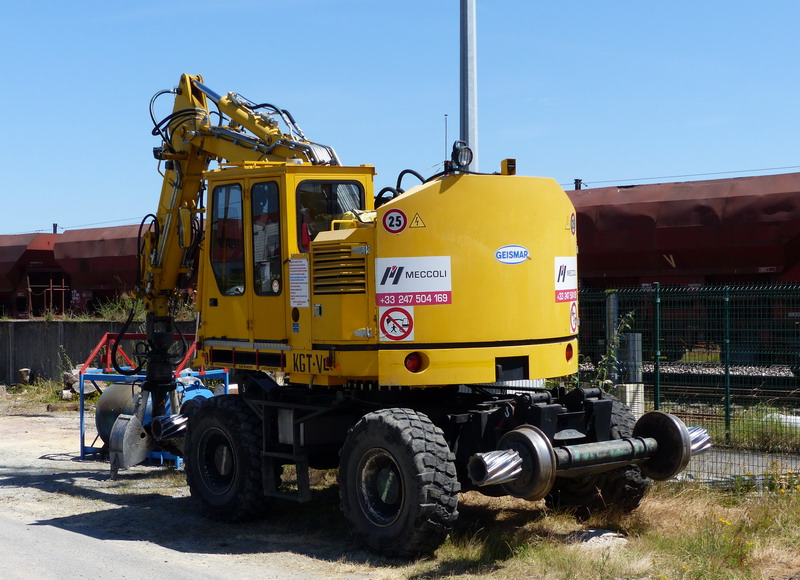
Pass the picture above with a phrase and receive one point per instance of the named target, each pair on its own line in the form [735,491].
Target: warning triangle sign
[416,222]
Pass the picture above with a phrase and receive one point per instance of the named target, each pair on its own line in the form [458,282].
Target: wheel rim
[380,487]
[217,461]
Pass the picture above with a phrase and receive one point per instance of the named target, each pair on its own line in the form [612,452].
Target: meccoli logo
[393,273]
[512,254]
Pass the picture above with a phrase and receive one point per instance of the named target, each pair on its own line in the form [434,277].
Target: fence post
[612,319]
[631,357]
[657,347]
[726,349]
[12,353]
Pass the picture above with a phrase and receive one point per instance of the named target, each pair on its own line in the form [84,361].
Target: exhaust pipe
[526,464]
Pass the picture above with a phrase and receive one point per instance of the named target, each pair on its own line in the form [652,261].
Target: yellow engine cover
[473,268]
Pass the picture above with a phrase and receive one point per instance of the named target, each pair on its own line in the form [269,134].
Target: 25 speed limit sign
[395,221]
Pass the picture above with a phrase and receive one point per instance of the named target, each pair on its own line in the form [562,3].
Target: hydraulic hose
[132,313]
[115,346]
[379,201]
[403,174]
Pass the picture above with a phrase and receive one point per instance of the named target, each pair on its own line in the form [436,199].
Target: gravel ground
[708,369]
[61,517]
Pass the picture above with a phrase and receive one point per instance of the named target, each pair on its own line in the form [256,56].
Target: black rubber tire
[621,489]
[397,483]
[223,468]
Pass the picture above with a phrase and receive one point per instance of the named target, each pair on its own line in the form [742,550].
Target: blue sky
[604,91]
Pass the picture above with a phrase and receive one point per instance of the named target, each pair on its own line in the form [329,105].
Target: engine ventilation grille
[337,270]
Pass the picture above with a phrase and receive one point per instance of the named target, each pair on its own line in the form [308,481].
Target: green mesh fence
[724,358]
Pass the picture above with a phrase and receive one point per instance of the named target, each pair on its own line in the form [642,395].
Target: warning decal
[416,222]
[566,279]
[396,323]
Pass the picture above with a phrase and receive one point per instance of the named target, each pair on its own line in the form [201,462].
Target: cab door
[266,268]
[224,309]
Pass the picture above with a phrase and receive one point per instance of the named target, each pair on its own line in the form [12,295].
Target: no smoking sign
[397,324]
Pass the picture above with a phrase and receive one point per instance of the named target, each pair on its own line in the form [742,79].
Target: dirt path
[63,517]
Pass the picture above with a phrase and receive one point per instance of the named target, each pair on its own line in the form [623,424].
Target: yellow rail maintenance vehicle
[399,336]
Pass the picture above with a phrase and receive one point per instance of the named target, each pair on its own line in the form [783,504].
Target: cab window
[266,239]
[227,239]
[321,202]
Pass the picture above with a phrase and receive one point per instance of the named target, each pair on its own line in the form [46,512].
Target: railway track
[705,383]
[743,388]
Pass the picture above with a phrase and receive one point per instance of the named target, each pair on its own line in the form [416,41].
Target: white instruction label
[298,284]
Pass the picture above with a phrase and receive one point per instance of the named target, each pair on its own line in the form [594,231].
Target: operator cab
[261,217]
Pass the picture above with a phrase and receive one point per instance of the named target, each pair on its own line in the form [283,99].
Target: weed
[780,480]
[40,391]
[606,369]
[118,309]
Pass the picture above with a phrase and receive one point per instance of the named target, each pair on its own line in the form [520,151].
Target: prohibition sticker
[397,323]
[395,221]
[573,317]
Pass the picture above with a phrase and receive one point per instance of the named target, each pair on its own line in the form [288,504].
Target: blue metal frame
[156,456]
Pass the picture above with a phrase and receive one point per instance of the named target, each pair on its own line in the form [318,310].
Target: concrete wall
[49,348]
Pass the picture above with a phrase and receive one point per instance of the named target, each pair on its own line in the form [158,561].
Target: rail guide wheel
[674,444]
[538,462]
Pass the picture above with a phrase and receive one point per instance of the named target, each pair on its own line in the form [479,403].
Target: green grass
[39,392]
[118,309]
[679,532]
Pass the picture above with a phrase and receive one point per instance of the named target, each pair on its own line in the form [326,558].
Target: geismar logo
[512,254]
[392,273]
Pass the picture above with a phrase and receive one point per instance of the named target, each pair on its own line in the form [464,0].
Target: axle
[526,464]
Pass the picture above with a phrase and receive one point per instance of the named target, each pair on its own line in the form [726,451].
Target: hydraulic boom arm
[246,132]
